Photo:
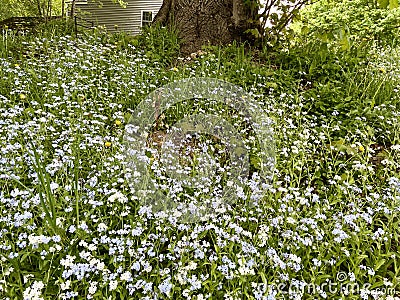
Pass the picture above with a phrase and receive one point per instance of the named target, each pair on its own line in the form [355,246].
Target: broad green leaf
[345,43]
[383,3]
[379,264]
[305,29]
[393,4]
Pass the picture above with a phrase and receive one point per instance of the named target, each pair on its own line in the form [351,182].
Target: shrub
[346,23]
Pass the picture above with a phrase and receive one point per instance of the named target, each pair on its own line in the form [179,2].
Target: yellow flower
[361,148]
[22,96]
[107,144]
[382,70]
[118,122]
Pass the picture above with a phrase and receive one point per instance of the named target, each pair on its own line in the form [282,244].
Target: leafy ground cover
[71,227]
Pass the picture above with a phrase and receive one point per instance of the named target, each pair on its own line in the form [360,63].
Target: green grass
[73,226]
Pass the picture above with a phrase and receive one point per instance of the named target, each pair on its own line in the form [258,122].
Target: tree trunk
[39,8]
[48,10]
[202,22]
[72,13]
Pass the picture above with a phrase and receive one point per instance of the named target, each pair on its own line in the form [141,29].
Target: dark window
[147,18]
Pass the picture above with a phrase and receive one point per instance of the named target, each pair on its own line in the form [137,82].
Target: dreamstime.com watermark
[161,178]
[340,287]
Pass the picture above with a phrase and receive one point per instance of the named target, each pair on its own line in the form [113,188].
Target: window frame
[143,22]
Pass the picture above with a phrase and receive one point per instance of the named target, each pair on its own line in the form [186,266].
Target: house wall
[116,18]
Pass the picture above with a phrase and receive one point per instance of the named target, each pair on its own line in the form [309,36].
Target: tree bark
[202,22]
[72,12]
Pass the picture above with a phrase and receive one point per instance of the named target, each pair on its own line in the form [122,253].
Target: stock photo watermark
[191,178]
[342,286]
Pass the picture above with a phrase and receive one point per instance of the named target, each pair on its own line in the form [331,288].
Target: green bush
[350,22]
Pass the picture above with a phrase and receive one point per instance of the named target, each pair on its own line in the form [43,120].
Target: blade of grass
[44,180]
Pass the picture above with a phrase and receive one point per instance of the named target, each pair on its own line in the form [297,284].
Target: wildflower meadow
[315,214]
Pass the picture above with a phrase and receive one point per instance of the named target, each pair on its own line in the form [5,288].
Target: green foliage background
[351,22]
[23,8]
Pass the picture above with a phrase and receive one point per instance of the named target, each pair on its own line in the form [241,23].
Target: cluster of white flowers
[34,291]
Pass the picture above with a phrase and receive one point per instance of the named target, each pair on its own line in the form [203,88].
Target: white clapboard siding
[116,18]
